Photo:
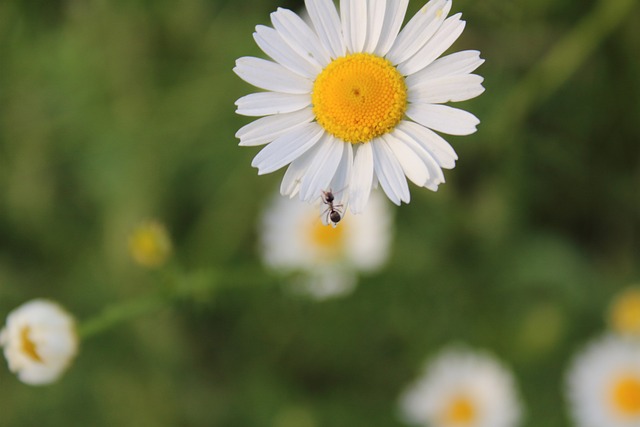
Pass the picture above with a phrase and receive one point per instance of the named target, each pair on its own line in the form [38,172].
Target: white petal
[443,118]
[413,167]
[361,178]
[274,45]
[322,169]
[436,176]
[389,172]
[433,143]
[375,21]
[293,176]
[326,21]
[341,179]
[396,9]
[266,129]
[354,24]
[419,30]
[447,89]
[451,65]
[287,148]
[271,76]
[441,41]
[299,36]
[267,103]
[332,282]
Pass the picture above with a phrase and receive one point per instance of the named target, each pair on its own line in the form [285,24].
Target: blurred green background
[112,112]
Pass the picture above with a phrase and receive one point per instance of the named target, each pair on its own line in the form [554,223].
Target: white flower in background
[39,341]
[624,312]
[295,239]
[604,384]
[461,388]
[354,101]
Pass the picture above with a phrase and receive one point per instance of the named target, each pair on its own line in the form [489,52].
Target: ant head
[328,196]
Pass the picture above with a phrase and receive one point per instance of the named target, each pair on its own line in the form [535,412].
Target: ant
[333,211]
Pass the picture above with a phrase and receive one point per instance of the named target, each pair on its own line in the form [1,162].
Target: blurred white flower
[461,388]
[352,99]
[604,384]
[295,238]
[624,312]
[39,341]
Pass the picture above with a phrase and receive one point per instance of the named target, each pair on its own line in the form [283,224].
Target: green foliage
[112,112]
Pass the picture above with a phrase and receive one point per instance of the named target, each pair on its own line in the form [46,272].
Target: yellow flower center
[625,312]
[626,395]
[460,411]
[359,97]
[28,346]
[327,239]
[150,244]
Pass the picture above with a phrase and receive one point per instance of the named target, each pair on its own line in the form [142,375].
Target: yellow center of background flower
[150,244]
[359,97]
[327,239]
[624,315]
[626,395]
[28,346]
[460,411]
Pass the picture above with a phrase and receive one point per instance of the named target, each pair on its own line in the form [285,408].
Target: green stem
[119,313]
[195,286]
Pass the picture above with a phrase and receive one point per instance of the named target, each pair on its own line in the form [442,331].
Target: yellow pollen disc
[28,346]
[624,314]
[359,97]
[326,238]
[626,395]
[460,411]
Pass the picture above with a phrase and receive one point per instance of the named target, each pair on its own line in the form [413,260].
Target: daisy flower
[352,101]
[624,312]
[461,388]
[604,384]
[294,238]
[39,341]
